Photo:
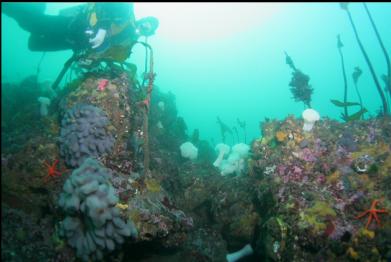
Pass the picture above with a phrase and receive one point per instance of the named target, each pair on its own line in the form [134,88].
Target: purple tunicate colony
[84,134]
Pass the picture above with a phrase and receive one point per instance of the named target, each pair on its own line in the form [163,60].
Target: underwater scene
[195,132]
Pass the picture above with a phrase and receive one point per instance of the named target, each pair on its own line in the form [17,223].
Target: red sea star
[52,170]
[372,213]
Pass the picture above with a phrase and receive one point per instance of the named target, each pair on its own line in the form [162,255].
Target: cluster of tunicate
[93,224]
[84,133]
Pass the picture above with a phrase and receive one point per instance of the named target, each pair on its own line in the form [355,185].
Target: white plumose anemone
[45,102]
[310,116]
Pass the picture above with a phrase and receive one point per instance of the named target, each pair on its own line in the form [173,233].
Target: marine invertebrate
[353,253]
[84,133]
[241,149]
[372,211]
[235,162]
[222,150]
[281,136]
[152,185]
[52,170]
[317,216]
[93,223]
[161,105]
[310,116]
[188,150]
[46,89]
[235,256]
[45,102]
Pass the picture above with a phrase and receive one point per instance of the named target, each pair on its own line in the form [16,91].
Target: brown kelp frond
[371,69]
[223,129]
[343,104]
[356,74]
[289,61]
[242,125]
[387,57]
[344,5]
[345,94]
[300,87]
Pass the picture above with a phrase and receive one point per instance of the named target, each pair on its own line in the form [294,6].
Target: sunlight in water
[206,21]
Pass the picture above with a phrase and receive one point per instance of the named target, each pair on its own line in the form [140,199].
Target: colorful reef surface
[104,168]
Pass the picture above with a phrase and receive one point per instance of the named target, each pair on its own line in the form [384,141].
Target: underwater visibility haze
[196,131]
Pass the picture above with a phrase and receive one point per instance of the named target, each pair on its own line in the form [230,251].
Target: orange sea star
[372,213]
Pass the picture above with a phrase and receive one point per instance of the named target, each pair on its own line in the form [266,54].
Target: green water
[227,59]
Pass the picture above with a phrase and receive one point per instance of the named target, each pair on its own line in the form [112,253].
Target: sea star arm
[369,221]
[362,214]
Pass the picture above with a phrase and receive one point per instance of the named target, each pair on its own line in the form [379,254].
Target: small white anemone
[242,149]
[45,102]
[188,150]
[222,149]
[235,256]
[161,105]
[159,125]
[46,88]
[310,116]
[235,162]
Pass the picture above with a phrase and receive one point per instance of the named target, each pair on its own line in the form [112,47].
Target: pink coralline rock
[307,155]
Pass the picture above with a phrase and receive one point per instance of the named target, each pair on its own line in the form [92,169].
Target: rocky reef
[303,195]
[321,181]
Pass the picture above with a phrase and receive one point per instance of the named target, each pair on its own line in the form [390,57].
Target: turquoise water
[227,59]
